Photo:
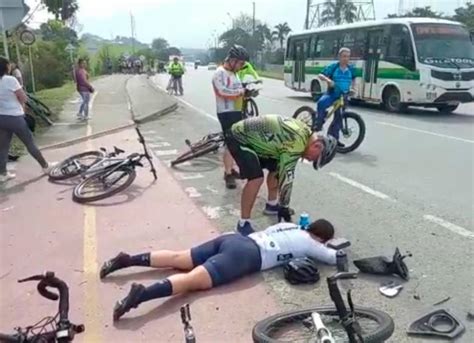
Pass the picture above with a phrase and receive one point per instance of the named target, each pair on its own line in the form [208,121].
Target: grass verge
[270,74]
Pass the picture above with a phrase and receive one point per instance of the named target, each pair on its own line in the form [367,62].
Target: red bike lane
[43,229]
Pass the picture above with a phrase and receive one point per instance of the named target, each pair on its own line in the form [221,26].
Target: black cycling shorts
[228,257]
[250,164]
[227,119]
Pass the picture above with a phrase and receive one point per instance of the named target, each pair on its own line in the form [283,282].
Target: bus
[399,62]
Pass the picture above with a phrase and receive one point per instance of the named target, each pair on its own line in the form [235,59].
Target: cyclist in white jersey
[214,263]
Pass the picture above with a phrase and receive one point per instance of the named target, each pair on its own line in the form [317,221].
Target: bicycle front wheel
[75,165]
[196,152]
[297,326]
[352,132]
[103,185]
[305,114]
[251,108]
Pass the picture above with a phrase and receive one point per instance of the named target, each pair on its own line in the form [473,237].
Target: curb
[86,138]
[152,116]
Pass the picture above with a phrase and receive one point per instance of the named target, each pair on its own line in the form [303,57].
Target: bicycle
[189,335]
[308,115]
[173,86]
[214,141]
[359,324]
[36,107]
[105,175]
[62,330]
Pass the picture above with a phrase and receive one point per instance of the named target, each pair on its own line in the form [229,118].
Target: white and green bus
[399,62]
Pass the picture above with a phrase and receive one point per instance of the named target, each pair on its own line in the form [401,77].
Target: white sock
[243,221]
[272,202]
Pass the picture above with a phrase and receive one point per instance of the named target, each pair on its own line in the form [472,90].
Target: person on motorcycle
[340,77]
[229,99]
[176,70]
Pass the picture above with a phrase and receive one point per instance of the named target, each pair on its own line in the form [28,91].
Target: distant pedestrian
[16,73]
[84,88]
[12,121]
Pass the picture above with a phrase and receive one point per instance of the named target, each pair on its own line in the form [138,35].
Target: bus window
[329,42]
[318,47]
[290,49]
[399,47]
[360,42]
[348,40]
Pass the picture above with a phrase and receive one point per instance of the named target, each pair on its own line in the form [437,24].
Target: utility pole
[132,26]
[253,19]
[306,21]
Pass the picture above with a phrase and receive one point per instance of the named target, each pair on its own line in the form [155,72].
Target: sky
[192,23]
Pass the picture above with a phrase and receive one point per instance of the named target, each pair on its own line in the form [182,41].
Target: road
[410,185]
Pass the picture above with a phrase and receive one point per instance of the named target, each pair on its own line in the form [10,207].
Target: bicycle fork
[323,335]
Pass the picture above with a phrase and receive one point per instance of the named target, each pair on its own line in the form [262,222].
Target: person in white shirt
[12,121]
[223,259]
[229,99]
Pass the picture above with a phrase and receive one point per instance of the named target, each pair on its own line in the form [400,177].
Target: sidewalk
[43,229]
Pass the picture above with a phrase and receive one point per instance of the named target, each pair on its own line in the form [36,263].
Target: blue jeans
[323,104]
[86,97]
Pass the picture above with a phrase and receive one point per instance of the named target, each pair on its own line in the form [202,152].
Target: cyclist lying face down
[213,263]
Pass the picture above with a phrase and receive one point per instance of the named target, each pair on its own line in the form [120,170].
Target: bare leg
[272,185]
[197,279]
[171,259]
[249,194]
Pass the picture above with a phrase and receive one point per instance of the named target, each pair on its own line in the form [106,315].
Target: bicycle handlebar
[48,279]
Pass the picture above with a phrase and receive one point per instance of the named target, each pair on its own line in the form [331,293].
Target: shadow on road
[171,306]
[148,275]
[131,193]
[359,158]
[201,164]
[20,187]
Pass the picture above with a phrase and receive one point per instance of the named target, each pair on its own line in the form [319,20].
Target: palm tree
[281,31]
[338,12]
[264,35]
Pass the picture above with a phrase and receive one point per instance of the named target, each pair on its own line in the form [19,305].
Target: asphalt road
[409,185]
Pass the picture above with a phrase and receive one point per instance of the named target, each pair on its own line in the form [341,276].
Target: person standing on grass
[84,88]
[12,121]
[16,72]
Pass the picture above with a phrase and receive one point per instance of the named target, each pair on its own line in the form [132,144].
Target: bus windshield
[444,45]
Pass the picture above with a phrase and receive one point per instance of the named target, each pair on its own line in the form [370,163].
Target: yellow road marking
[92,311]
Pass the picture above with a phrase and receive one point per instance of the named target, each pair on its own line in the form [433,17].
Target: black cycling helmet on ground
[301,270]
[328,153]
[238,52]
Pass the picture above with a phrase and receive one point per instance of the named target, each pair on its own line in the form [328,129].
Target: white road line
[361,186]
[168,163]
[159,144]
[192,192]
[166,152]
[210,116]
[212,212]
[187,176]
[450,226]
[426,132]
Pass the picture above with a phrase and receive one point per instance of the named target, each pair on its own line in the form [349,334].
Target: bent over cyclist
[274,143]
[340,77]
[214,263]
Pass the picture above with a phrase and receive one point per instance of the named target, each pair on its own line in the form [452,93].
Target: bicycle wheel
[41,105]
[103,184]
[352,132]
[15,338]
[32,109]
[297,326]
[75,165]
[305,114]
[251,108]
[196,152]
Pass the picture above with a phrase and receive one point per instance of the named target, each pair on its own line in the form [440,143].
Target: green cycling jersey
[278,138]
[247,70]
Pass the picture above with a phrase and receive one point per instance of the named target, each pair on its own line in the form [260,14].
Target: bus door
[374,50]
[300,62]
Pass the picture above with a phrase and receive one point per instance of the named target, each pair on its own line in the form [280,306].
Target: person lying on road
[222,260]
[274,143]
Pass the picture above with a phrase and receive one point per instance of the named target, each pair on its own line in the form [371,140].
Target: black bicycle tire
[4,338]
[192,154]
[82,199]
[304,109]
[383,332]
[253,104]
[39,113]
[98,153]
[359,139]
[41,104]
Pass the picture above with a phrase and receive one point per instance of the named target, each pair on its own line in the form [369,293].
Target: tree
[245,22]
[281,32]
[465,15]
[338,12]
[159,44]
[264,36]
[57,31]
[235,36]
[62,9]
[425,12]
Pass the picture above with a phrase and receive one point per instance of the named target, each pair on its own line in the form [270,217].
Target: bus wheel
[392,100]
[447,108]
[315,90]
